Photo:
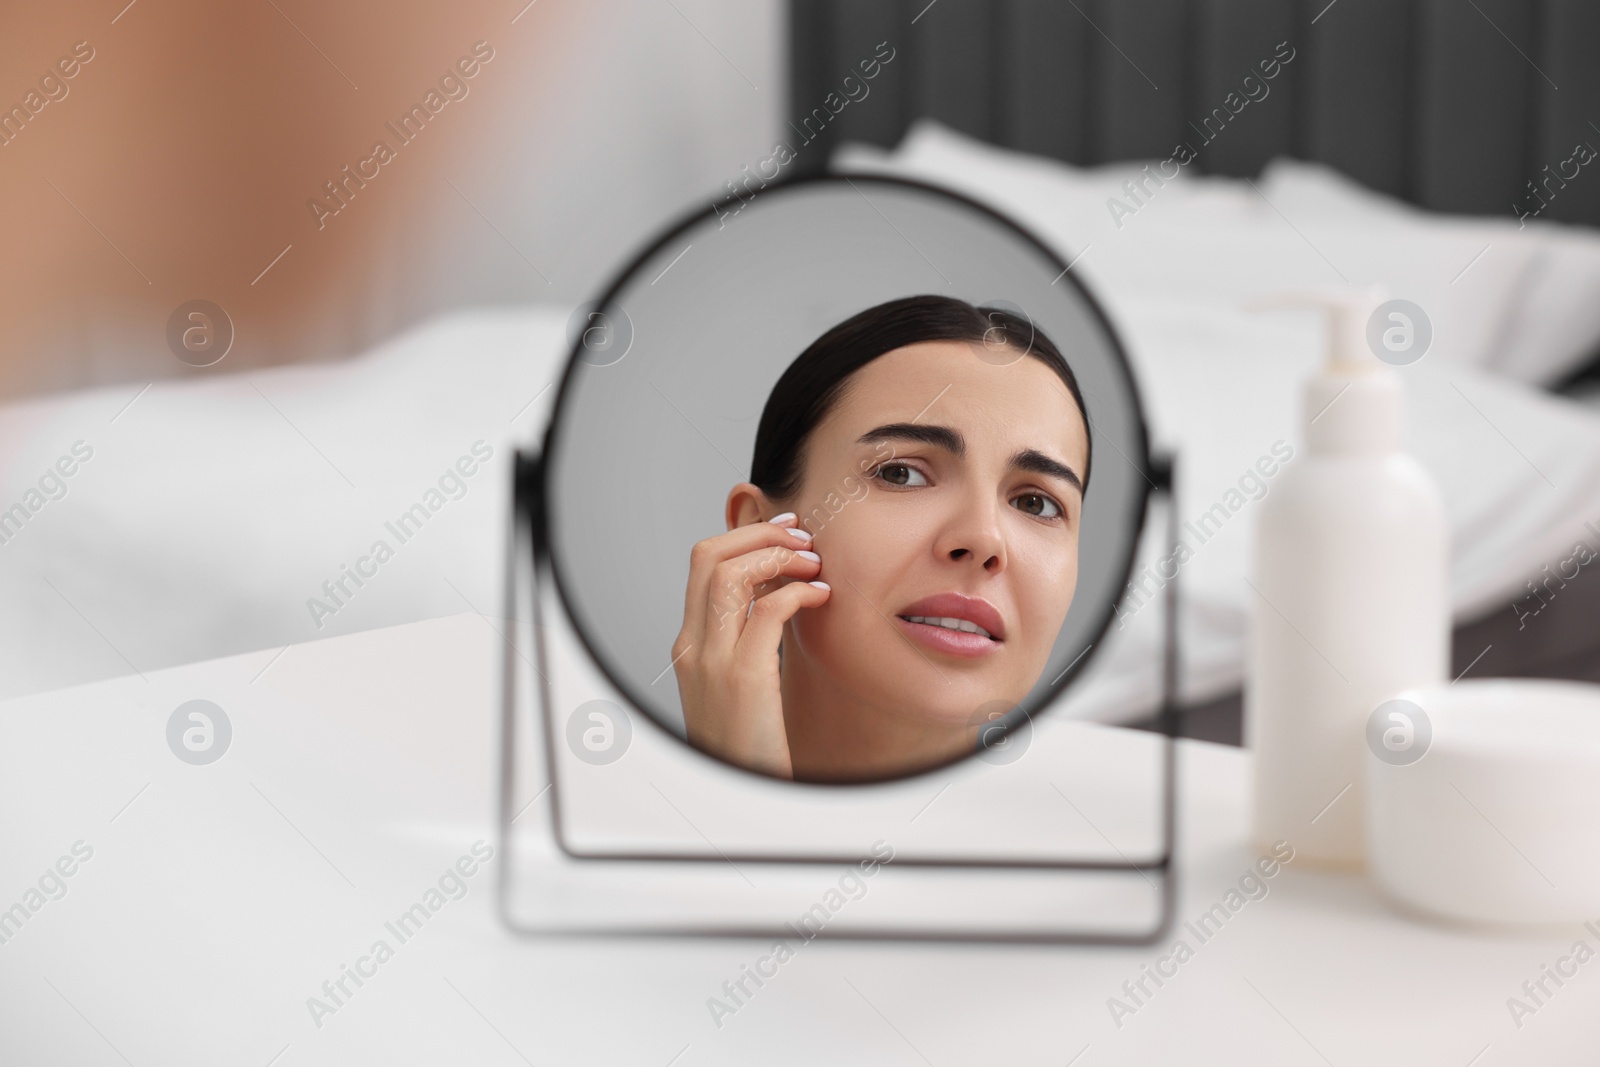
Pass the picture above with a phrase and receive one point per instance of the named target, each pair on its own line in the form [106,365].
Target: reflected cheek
[841,639]
[1069,577]
[1048,590]
[858,568]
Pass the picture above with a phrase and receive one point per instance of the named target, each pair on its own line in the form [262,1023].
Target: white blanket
[211,513]
[1519,470]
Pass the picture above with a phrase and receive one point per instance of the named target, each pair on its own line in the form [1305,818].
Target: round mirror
[938,417]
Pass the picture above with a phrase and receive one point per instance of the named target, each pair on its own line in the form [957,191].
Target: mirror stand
[610,824]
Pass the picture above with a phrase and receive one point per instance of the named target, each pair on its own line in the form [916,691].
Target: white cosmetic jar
[1483,801]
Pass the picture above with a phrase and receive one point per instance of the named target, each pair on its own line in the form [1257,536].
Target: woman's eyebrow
[1033,460]
[938,436]
[1028,459]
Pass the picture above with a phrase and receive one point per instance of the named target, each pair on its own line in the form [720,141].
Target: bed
[214,514]
[1188,154]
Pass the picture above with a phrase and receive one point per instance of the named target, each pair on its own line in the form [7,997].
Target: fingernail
[820,585]
[812,556]
[785,517]
[804,535]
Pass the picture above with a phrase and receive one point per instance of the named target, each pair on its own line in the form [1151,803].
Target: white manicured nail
[820,585]
[804,535]
[812,556]
[785,517]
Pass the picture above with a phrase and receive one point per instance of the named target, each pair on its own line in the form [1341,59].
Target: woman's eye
[1038,504]
[901,474]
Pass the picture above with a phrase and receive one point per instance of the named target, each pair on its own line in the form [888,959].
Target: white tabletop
[218,899]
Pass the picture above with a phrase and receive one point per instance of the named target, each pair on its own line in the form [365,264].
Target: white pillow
[1554,324]
[1053,194]
[1188,256]
[1224,240]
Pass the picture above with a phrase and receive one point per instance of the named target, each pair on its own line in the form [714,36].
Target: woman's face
[942,486]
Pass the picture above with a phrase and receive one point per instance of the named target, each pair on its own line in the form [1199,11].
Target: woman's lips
[969,609]
[950,642]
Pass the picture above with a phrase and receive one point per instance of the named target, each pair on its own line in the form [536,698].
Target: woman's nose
[974,535]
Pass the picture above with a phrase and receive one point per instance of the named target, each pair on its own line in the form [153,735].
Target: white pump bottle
[1351,599]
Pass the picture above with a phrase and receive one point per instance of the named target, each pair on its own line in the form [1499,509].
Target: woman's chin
[939,714]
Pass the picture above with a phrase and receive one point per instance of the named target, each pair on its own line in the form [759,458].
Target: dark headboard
[1451,104]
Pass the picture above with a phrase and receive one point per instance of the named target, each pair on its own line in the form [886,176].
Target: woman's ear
[747,504]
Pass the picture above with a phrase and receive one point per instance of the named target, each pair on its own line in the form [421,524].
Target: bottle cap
[1346,311]
[1354,405]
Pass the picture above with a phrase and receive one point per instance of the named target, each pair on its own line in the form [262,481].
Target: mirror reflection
[817,481]
[903,555]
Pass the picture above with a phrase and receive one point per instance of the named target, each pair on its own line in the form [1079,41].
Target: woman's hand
[726,656]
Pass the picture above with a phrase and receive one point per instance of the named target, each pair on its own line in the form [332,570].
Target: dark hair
[812,384]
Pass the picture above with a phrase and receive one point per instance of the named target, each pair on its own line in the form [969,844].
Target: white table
[219,898]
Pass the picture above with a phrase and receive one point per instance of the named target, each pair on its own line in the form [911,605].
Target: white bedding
[1519,468]
[1517,299]
[206,518]
[1222,387]
[211,511]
